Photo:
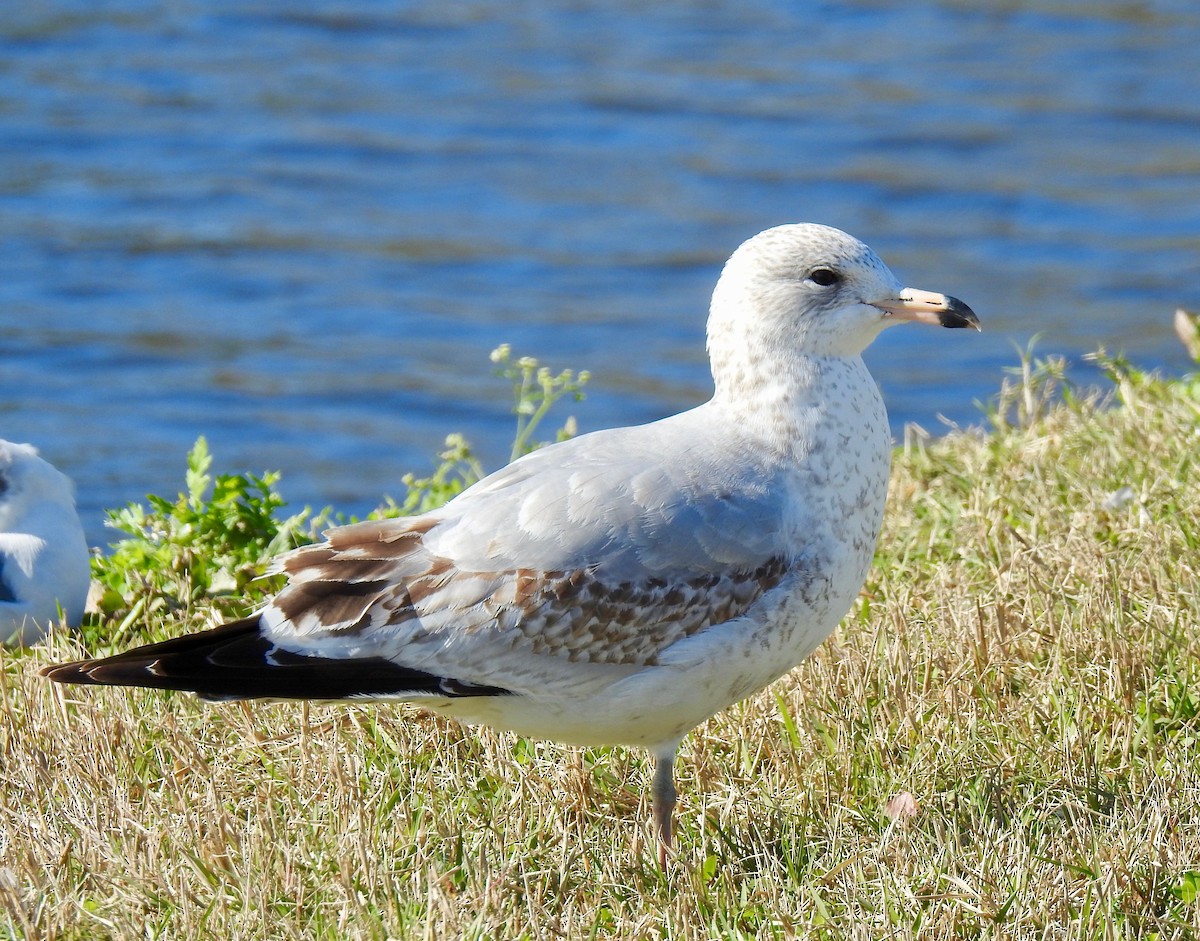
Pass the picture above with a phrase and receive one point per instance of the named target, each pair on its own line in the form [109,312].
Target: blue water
[300,229]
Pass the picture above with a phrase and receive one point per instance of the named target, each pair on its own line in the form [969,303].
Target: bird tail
[239,661]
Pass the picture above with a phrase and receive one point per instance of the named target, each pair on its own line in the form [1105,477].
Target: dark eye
[824,277]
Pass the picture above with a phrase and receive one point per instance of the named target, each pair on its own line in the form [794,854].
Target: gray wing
[628,503]
[599,552]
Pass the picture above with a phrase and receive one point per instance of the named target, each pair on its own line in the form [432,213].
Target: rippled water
[301,232]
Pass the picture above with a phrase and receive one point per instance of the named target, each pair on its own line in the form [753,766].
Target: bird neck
[781,396]
[757,363]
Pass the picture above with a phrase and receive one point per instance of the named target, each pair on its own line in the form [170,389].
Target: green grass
[1023,662]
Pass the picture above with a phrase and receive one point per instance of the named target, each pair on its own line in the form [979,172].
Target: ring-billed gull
[44,563]
[623,586]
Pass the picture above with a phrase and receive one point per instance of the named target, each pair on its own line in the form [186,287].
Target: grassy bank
[1001,741]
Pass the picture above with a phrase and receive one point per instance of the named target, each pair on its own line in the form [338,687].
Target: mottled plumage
[621,587]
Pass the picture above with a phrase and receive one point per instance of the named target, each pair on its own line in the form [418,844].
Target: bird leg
[663,801]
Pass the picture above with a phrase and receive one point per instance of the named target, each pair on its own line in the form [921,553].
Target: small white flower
[501,353]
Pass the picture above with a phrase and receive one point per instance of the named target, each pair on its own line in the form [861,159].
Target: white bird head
[807,289]
[27,482]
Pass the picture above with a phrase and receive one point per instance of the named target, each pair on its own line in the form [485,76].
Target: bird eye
[824,277]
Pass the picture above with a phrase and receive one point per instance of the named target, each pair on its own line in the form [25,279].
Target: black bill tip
[957,314]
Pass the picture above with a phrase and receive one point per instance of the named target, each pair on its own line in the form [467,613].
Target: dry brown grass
[1023,662]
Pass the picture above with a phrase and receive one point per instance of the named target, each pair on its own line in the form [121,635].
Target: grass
[1022,663]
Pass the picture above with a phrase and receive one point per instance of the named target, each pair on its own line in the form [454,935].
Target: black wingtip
[237,661]
[74,672]
[137,667]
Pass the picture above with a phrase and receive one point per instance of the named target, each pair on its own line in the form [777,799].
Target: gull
[621,587]
[44,563]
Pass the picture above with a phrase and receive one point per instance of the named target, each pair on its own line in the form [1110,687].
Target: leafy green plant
[208,542]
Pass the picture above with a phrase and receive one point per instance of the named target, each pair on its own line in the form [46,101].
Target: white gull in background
[621,587]
[44,562]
